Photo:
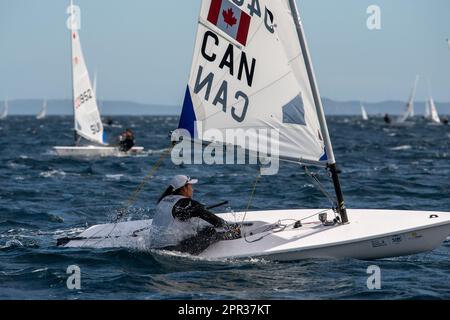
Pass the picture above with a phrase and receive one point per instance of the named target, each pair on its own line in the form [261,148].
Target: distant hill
[64,107]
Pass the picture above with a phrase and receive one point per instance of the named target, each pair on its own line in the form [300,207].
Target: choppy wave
[44,197]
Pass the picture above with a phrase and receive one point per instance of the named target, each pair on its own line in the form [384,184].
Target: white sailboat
[43,113]
[434,116]
[87,122]
[4,113]
[427,114]
[281,93]
[365,116]
[409,112]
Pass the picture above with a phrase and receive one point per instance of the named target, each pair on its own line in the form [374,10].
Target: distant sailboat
[283,94]
[4,113]
[434,116]
[365,117]
[427,114]
[409,113]
[87,122]
[43,113]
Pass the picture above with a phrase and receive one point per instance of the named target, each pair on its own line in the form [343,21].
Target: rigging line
[282,227]
[252,195]
[122,211]
[319,185]
[132,199]
[250,201]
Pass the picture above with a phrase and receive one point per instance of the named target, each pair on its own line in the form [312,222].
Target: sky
[142,49]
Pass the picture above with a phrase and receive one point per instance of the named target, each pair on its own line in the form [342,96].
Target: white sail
[427,114]
[4,113]
[409,113]
[434,113]
[43,113]
[249,72]
[88,123]
[364,113]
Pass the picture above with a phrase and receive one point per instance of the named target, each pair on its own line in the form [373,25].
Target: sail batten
[251,69]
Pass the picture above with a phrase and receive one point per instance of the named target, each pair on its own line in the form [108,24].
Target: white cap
[180,181]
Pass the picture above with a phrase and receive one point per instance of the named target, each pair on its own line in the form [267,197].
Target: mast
[75,134]
[319,109]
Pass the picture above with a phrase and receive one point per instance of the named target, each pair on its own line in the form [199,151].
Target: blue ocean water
[43,196]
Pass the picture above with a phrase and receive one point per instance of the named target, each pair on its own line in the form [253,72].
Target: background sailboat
[4,113]
[283,97]
[365,116]
[427,114]
[409,113]
[88,125]
[434,116]
[433,113]
[43,113]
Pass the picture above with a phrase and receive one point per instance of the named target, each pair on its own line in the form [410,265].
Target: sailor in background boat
[387,119]
[109,122]
[445,120]
[126,140]
[185,225]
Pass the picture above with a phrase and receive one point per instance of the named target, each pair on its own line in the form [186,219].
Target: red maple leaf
[228,17]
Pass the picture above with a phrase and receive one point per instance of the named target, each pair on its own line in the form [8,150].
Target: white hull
[94,151]
[372,234]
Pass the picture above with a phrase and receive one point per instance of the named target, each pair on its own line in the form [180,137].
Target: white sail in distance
[43,113]
[427,114]
[409,113]
[434,116]
[365,116]
[249,72]
[88,123]
[4,113]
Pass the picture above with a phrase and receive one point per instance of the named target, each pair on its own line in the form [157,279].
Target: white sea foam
[52,173]
[402,148]
[12,243]
[39,270]
[116,177]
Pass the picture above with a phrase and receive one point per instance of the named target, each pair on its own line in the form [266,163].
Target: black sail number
[96,128]
[85,97]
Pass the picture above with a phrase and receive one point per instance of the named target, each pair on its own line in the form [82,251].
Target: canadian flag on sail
[230,19]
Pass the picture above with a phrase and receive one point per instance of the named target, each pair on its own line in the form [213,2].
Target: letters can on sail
[248,71]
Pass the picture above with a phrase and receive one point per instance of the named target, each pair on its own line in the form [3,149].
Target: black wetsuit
[126,143]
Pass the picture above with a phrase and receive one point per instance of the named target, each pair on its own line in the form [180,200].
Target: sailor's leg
[198,243]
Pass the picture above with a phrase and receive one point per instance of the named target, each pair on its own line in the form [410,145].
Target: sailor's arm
[188,208]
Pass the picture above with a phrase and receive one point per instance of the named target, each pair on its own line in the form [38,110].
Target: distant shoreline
[58,107]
